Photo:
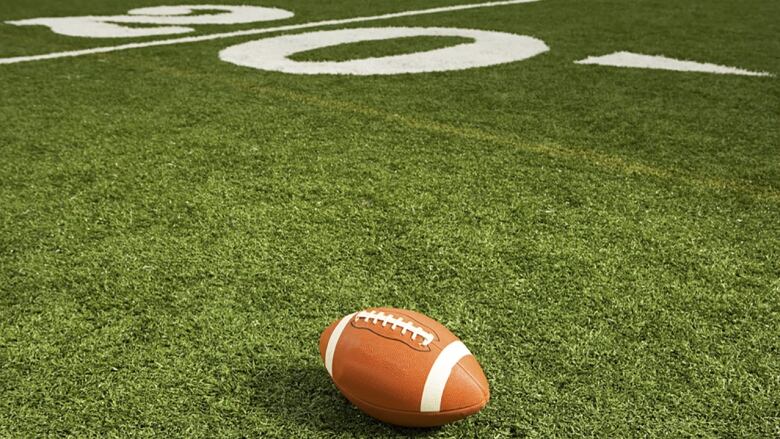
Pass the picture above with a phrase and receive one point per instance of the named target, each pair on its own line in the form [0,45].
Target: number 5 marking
[173,19]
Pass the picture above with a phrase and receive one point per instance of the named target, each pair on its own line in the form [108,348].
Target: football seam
[485,392]
[395,339]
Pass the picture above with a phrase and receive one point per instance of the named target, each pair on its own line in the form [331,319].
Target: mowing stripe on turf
[217,36]
[600,159]
[603,160]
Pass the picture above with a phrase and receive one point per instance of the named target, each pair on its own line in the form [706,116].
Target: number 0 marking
[488,48]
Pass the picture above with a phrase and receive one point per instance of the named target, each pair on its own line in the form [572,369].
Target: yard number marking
[488,48]
[173,18]
[222,35]
[273,54]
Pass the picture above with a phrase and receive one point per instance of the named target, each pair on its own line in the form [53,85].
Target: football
[403,368]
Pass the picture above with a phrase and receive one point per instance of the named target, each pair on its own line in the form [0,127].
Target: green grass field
[176,231]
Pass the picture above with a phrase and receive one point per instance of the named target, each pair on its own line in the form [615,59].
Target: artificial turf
[175,231]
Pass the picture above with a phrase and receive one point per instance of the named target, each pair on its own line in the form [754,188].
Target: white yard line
[218,36]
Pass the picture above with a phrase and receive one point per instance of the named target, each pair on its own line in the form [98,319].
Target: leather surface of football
[403,368]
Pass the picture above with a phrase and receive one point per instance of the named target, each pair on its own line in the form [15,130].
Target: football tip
[467,388]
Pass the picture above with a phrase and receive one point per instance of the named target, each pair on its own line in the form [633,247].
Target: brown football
[403,368]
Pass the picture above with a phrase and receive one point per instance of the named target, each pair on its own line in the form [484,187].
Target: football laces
[396,322]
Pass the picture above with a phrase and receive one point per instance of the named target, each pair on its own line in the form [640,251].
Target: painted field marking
[222,35]
[169,20]
[640,61]
[488,48]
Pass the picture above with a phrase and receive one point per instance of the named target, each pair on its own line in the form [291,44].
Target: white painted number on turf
[173,20]
[486,49]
